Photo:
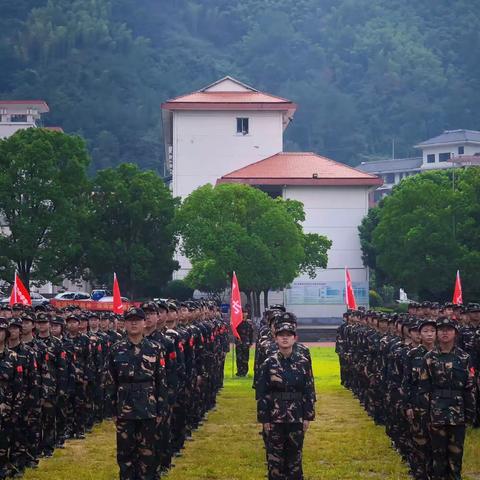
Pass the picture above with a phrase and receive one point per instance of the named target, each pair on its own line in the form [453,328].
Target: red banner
[349,294]
[117,298]
[19,293]
[91,305]
[457,294]
[236,313]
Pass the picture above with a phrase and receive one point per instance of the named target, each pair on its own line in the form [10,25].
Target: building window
[461,150]
[390,178]
[444,157]
[431,158]
[18,118]
[242,126]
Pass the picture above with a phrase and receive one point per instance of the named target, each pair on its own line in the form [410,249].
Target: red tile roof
[40,104]
[299,168]
[226,100]
[54,129]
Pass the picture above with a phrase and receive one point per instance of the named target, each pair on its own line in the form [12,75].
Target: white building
[20,114]
[438,153]
[335,199]
[231,132]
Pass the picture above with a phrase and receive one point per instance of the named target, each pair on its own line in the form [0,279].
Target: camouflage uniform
[447,382]
[11,401]
[140,398]
[285,399]
[242,345]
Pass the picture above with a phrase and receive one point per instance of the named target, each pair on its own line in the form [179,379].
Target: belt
[287,395]
[447,393]
[136,382]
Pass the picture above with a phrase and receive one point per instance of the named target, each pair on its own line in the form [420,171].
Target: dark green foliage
[43,203]
[129,230]
[177,289]
[363,72]
[424,232]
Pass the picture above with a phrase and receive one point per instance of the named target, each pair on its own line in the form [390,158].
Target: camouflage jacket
[411,379]
[285,389]
[138,373]
[447,382]
[168,349]
[53,367]
[78,357]
[11,386]
[245,330]
[28,367]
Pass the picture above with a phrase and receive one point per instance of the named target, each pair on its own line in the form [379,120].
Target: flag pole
[233,359]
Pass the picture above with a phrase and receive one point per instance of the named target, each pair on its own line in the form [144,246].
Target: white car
[72,296]
[37,299]
[110,299]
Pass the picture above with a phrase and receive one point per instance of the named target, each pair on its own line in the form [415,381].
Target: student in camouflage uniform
[416,408]
[447,383]
[11,397]
[243,344]
[285,404]
[137,367]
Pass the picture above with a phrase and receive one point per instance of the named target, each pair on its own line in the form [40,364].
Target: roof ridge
[250,164]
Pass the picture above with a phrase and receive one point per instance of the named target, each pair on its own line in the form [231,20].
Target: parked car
[110,299]
[98,293]
[72,296]
[37,299]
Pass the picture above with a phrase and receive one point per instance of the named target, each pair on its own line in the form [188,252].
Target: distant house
[229,132]
[450,149]
[20,114]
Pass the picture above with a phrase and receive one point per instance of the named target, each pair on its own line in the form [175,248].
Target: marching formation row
[417,374]
[156,371]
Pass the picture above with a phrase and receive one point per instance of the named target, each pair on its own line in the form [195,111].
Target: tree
[178,290]
[43,192]
[130,230]
[240,228]
[421,234]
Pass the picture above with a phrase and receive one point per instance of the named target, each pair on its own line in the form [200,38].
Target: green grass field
[342,443]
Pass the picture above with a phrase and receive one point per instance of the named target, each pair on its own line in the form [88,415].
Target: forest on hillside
[364,73]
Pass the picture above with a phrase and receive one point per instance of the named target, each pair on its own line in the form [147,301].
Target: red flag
[117,298]
[236,314]
[349,295]
[19,293]
[457,294]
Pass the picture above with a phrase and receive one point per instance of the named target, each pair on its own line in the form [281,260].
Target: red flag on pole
[236,314]
[117,298]
[457,294]
[19,293]
[349,295]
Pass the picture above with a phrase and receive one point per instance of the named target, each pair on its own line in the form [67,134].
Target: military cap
[4,323]
[287,317]
[473,307]
[286,327]
[57,320]
[426,304]
[427,321]
[149,307]
[135,313]
[40,308]
[172,306]
[162,305]
[448,305]
[446,322]
[27,316]
[15,322]
[93,315]
[43,317]
[277,306]
[383,317]
[72,316]
[18,306]
[414,324]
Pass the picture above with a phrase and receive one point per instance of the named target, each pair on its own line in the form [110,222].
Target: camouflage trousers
[420,453]
[283,445]
[48,440]
[4,447]
[242,352]
[447,451]
[136,455]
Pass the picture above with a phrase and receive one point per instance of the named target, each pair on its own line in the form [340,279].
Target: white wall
[452,149]
[335,212]
[8,129]
[206,145]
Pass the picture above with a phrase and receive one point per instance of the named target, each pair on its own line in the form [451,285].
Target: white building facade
[231,132]
[20,114]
